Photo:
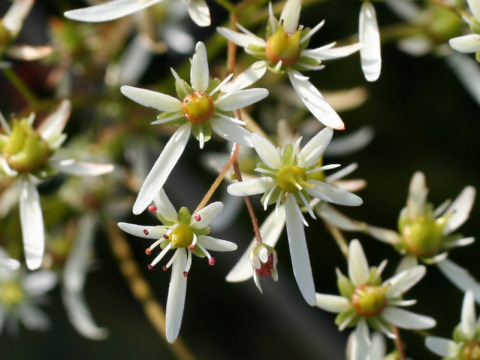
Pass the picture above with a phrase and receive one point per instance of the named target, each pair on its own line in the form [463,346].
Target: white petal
[408,262]
[251,187]
[29,52]
[385,235]
[33,317]
[330,53]
[358,270]
[39,282]
[417,195]
[231,131]
[315,148]
[9,198]
[361,343]
[54,124]
[31,219]
[7,264]
[351,143]
[176,297]
[211,243]
[466,44]
[147,232]
[460,277]
[80,168]
[247,77]
[162,168]
[111,10]
[334,217]
[240,98]
[299,252]
[407,10]
[207,215]
[270,231]
[164,206]
[152,99]
[333,194]
[406,319]
[468,319]
[314,101]
[16,14]
[199,12]
[268,153]
[290,15]
[403,281]
[460,209]
[240,39]
[199,72]
[468,73]
[442,347]
[369,37]
[332,303]
[474,6]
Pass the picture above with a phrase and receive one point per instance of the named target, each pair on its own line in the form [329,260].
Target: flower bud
[264,261]
[283,46]
[369,300]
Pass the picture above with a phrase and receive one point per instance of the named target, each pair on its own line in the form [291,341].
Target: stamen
[155,244]
[197,217]
[148,251]
[211,261]
[150,267]
[165,236]
[164,268]
[307,204]
[207,254]
[152,208]
[189,262]
[172,260]
[145,231]
[162,254]
[185,274]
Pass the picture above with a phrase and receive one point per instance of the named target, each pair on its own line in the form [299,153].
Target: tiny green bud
[423,236]
[369,300]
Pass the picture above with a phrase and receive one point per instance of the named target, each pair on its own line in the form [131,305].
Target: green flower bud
[25,150]
[423,236]
[284,47]
[369,300]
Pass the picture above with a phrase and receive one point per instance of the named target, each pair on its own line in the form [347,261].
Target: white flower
[200,108]
[115,9]
[293,177]
[28,155]
[19,293]
[466,339]
[185,234]
[369,37]
[285,47]
[367,301]
[469,43]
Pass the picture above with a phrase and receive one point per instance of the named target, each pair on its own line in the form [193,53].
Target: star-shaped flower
[294,178]
[185,234]
[285,48]
[115,9]
[469,43]
[367,301]
[28,155]
[200,108]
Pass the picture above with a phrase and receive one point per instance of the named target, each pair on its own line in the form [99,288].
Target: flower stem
[20,86]
[142,290]
[399,344]
[339,239]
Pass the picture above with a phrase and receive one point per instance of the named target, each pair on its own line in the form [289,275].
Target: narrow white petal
[460,209]
[16,14]
[240,98]
[7,264]
[111,10]
[299,252]
[251,187]
[176,297]
[408,262]
[474,6]
[31,219]
[361,343]
[33,317]
[332,303]
[407,320]
[314,101]
[330,53]
[162,168]
[54,124]
[240,39]
[333,194]
[407,10]
[28,52]
[442,347]
[466,44]
[358,270]
[152,99]
[369,37]
[39,282]
[80,168]
[460,277]
[164,206]
[247,77]
[315,148]
[199,72]
[403,281]
[266,151]
[231,131]
[199,12]
[468,73]
[207,215]
[147,232]
[334,217]
[468,319]
[290,15]
[270,231]
[211,243]
[9,198]
[417,195]
[351,143]
[386,235]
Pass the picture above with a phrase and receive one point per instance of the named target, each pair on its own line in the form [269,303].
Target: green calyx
[369,300]
[25,150]
[284,47]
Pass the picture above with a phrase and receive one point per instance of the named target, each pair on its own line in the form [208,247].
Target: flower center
[198,107]
[292,179]
[11,294]
[423,237]
[369,300]
[283,46]
[182,236]
[471,351]
[25,150]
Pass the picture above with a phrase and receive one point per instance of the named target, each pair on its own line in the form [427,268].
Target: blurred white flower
[469,43]
[369,37]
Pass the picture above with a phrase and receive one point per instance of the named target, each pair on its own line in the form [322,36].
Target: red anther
[164,268]
[152,208]
[150,267]
[191,247]
[148,251]
[165,236]
[211,261]
[145,231]
[185,274]
[197,217]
